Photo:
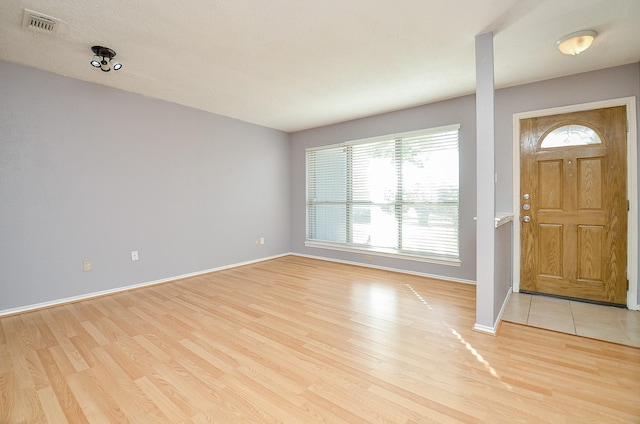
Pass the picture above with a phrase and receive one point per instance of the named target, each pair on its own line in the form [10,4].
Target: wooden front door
[573,200]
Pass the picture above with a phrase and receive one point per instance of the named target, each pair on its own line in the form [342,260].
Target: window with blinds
[394,195]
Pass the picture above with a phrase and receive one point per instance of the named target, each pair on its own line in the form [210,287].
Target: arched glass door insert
[570,135]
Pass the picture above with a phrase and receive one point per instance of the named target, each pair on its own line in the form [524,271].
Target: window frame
[348,245]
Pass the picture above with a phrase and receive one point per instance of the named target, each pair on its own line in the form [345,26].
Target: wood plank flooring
[297,340]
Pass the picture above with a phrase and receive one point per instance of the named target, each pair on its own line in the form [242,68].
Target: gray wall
[90,172]
[502,266]
[605,84]
[612,83]
[460,110]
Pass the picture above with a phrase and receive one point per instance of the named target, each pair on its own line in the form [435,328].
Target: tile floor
[600,322]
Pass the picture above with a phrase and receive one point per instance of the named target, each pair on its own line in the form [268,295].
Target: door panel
[590,254]
[550,183]
[550,250]
[573,167]
[590,183]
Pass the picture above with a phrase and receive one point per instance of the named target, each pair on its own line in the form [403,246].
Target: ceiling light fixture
[102,59]
[577,42]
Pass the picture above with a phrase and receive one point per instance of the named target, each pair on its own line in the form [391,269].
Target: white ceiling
[298,64]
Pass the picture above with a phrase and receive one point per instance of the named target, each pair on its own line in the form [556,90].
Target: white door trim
[632,186]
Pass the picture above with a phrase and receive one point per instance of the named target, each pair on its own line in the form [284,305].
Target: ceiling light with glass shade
[577,42]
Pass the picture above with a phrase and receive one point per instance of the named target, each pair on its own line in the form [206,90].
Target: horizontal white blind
[398,194]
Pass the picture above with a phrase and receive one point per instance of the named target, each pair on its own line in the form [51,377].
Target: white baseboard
[384,268]
[504,306]
[78,298]
[485,329]
[494,330]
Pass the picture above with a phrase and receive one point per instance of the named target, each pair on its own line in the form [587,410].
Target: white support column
[485,171]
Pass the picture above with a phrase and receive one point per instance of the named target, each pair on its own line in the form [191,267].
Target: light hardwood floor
[297,340]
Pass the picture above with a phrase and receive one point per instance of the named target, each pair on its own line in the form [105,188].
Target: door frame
[632,186]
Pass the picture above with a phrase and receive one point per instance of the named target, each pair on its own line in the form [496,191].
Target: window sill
[433,260]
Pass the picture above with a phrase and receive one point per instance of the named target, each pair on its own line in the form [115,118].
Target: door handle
[526,218]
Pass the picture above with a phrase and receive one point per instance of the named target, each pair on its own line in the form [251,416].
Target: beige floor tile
[598,312]
[520,298]
[630,323]
[607,323]
[556,323]
[635,339]
[611,333]
[617,325]
[549,307]
[550,302]
[517,309]
[632,317]
[552,314]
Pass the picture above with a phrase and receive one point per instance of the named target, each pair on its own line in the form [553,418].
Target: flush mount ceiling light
[102,59]
[577,42]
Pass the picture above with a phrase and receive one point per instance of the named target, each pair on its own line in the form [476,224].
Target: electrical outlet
[368,257]
[87,265]
[261,240]
[134,255]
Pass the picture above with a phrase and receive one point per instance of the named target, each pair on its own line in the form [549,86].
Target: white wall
[90,172]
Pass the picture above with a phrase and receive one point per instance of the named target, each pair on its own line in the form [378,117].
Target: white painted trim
[384,268]
[632,186]
[386,137]
[494,330]
[504,306]
[503,218]
[72,299]
[485,329]
[87,296]
[373,252]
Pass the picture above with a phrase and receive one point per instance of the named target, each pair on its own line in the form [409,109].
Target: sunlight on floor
[477,355]
[461,339]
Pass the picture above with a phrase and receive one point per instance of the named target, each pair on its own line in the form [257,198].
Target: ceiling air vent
[36,21]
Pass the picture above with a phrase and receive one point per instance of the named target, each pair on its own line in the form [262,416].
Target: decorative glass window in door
[570,135]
